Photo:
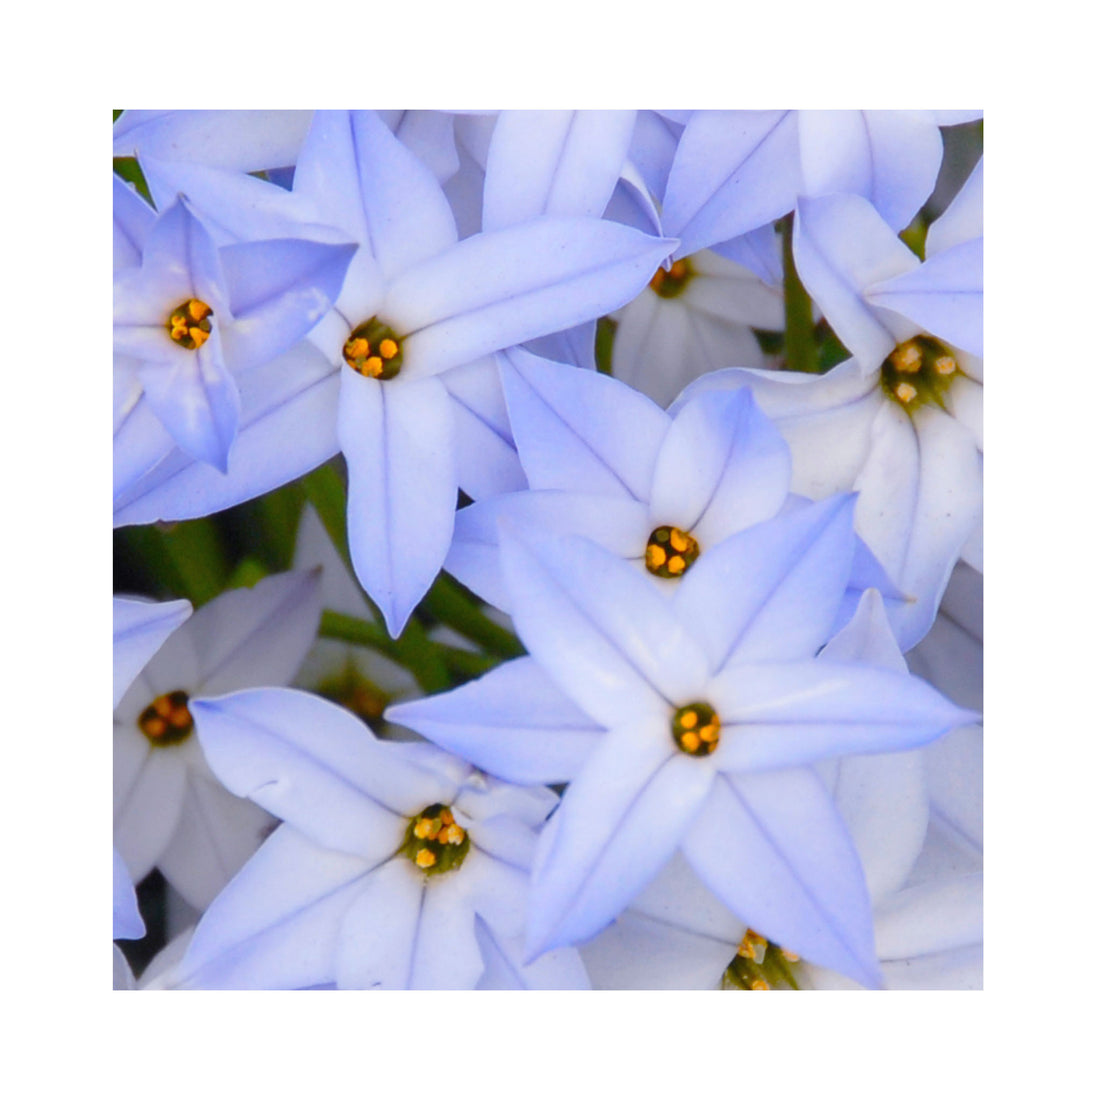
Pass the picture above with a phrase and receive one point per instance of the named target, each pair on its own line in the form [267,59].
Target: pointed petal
[553,162]
[197,400]
[601,630]
[278,291]
[576,346]
[402,489]
[577,430]
[315,765]
[447,952]
[501,288]
[798,564]
[128,924]
[841,246]
[619,822]
[216,836]
[891,158]
[722,467]
[733,171]
[794,713]
[513,722]
[133,218]
[276,925]
[288,427]
[943,295]
[140,629]
[773,847]
[867,637]
[252,637]
[620,524]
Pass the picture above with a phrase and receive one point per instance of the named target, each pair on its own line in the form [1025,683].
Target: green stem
[453,606]
[801,352]
[325,491]
[412,650]
[188,557]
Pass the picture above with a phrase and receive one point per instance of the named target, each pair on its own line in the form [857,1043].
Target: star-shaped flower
[416,305]
[689,724]
[170,811]
[398,866]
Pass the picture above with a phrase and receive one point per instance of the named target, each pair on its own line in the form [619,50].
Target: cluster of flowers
[689,401]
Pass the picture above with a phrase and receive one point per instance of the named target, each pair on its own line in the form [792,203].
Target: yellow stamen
[689,720]
[678,539]
[373,366]
[790,956]
[655,557]
[422,828]
[689,741]
[388,348]
[357,348]
[906,357]
[180,718]
[905,392]
[945,365]
[424,858]
[709,733]
[197,309]
[759,983]
[199,336]
[676,565]
[155,727]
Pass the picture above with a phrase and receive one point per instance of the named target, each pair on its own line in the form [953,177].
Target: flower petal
[553,162]
[599,627]
[773,847]
[497,289]
[798,563]
[722,467]
[619,523]
[580,430]
[943,295]
[513,722]
[362,179]
[402,488]
[315,765]
[276,925]
[216,836]
[140,629]
[733,171]
[779,715]
[504,967]
[288,427]
[484,449]
[620,820]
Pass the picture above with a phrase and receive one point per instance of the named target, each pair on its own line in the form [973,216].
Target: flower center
[166,720]
[189,324]
[671,283]
[670,552]
[696,729]
[374,350]
[434,842]
[918,371]
[760,964]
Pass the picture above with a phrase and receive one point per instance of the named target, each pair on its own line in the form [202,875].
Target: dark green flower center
[434,842]
[919,371]
[166,720]
[696,729]
[374,350]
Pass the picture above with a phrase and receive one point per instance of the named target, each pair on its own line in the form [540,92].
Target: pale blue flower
[737,170]
[397,866]
[688,723]
[169,809]
[193,313]
[431,304]
[141,627]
